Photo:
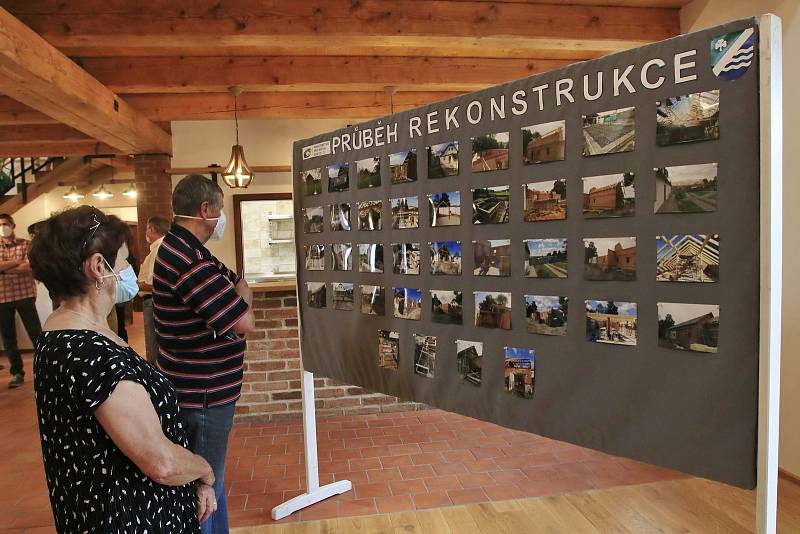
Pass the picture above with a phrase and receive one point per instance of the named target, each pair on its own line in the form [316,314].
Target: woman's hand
[206,501]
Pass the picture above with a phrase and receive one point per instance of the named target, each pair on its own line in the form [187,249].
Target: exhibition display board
[574,254]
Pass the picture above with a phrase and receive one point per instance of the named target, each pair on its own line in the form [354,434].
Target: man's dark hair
[7,217]
[62,243]
[192,191]
[159,224]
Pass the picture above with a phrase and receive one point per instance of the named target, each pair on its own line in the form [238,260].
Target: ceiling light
[237,173]
[103,193]
[130,192]
[73,195]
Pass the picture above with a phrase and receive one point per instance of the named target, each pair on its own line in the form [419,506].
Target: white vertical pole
[310,432]
[771,213]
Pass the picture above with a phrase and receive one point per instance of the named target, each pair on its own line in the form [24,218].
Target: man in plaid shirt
[17,295]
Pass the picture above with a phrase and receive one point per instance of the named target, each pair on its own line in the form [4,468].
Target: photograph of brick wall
[611,195]
[546,315]
[542,143]
[611,322]
[692,327]
[493,310]
[490,152]
[609,258]
[519,371]
[492,257]
[403,166]
[545,201]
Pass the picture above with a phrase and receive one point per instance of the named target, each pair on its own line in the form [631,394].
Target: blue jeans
[207,430]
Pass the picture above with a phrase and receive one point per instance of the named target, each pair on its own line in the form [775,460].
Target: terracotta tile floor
[397,462]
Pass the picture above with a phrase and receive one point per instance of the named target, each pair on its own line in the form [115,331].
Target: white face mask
[6,230]
[219,229]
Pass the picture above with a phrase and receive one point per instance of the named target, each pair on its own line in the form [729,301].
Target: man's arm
[145,287]
[7,265]
[22,267]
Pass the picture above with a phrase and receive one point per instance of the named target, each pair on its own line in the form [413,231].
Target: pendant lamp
[237,173]
[130,192]
[103,193]
[73,195]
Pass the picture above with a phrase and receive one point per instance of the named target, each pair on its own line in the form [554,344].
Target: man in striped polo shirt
[201,311]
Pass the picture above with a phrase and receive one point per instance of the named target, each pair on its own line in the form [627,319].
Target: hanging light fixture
[103,193]
[130,192]
[73,195]
[237,173]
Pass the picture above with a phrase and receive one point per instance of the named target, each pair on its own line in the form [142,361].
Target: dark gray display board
[691,411]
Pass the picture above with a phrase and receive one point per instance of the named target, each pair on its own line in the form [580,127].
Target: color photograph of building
[312,182]
[609,258]
[687,258]
[338,177]
[342,255]
[686,188]
[313,220]
[609,132]
[544,142]
[688,118]
[315,257]
[340,217]
[342,296]
[424,355]
[403,166]
[545,258]
[493,310]
[490,205]
[370,215]
[373,300]
[316,294]
[407,303]
[545,201]
[445,257]
[443,160]
[611,195]
[692,327]
[370,258]
[388,350]
[611,322]
[445,208]
[405,258]
[369,172]
[519,371]
[405,212]
[469,361]
[492,257]
[546,315]
[490,152]
[446,306]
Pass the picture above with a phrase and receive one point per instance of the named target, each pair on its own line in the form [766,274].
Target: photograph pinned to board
[403,166]
[388,350]
[609,132]
[687,258]
[424,355]
[373,300]
[610,195]
[313,220]
[405,258]
[490,205]
[445,257]
[316,294]
[692,327]
[446,306]
[445,208]
[407,303]
[493,309]
[469,361]
[368,172]
[609,258]
[686,188]
[611,322]
[315,257]
[343,298]
[542,143]
[519,367]
[688,118]
[342,255]
[370,258]
[546,315]
[338,177]
[443,160]
[370,215]
[492,257]
[340,217]
[312,182]
[405,212]
[490,152]
[545,201]
[545,258]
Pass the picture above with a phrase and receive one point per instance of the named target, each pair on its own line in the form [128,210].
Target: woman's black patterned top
[93,486]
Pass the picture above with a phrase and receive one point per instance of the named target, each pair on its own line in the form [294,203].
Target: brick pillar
[154,192]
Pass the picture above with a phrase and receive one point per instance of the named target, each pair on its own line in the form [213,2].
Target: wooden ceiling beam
[332,73]
[25,149]
[443,28]
[36,74]
[45,133]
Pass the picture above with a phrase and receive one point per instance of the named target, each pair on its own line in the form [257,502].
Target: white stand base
[307,499]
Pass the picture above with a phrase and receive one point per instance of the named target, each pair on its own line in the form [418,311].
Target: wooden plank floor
[691,505]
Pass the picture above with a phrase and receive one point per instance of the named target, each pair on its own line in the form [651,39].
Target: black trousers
[8,329]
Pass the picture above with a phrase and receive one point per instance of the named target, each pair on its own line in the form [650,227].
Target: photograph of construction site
[546,315]
[493,309]
[609,258]
[315,257]
[687,258]
[692,327]
[424,355]
[338,177]
[405,258]
[315,292]
[611,195]
[519,370]
[445,208]
[492,257]
[373,300]
[407,303]
[405,212]
[446,306]
[469,360]
[313,220]
[388,350]
[340,217]
[490,152]
[312,182]
[369,172]
[545,258]
[611,322]
[490,205]
[443,160]
[445,257]
[369,215]
[342,296]
[687,118]
[342,255]
[545,201]
[609,132]
[403,166]
[370,258]
[686,188]
[543,142]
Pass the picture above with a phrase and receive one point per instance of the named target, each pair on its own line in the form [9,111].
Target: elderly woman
[114,453]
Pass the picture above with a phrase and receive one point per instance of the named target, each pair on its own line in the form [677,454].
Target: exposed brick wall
[154,192]
[271,389]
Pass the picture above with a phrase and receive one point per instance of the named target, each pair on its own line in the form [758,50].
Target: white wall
[702,14]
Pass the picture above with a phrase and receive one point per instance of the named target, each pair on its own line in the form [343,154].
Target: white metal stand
[314,492]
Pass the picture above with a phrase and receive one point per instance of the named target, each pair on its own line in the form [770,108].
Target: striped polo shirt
[195,306]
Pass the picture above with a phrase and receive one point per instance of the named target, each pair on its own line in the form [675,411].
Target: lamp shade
[102,192]
[237,173]
[73,195]
[130,192]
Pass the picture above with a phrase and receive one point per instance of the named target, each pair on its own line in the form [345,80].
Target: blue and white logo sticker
[732,54]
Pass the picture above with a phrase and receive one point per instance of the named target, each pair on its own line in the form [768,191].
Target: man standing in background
[17,295]
[157,228]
